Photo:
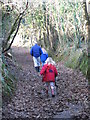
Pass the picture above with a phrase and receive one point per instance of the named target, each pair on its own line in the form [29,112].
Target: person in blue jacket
[43,56]
[36,51]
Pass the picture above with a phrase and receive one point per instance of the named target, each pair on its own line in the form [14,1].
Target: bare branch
[20,18]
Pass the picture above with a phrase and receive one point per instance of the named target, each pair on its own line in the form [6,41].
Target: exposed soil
[30,99]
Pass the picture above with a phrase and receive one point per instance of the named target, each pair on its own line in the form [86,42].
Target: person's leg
[47,84]
[36,68]
[43,64]
[52,85]
[56,86]
[35,63]
[38,63]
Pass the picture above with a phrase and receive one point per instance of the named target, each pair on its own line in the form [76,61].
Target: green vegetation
[84,65]
[7,79]
[73,60]
[61,27]
[78,59]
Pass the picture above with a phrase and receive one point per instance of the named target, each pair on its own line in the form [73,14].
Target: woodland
[62,27]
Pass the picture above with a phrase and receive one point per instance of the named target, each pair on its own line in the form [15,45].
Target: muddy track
[30,100]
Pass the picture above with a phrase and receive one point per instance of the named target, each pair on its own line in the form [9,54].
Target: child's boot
[52,92]
[36,69]
[47,91]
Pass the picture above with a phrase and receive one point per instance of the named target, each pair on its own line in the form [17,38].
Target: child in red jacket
[49,73]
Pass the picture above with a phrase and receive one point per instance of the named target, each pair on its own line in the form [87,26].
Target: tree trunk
[15,27]
[44,39]
[39,33]
[13,36]
[87,18]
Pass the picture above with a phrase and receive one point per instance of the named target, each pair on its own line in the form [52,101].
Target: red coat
[49,73]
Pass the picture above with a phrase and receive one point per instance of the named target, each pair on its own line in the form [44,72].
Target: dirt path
[30,100]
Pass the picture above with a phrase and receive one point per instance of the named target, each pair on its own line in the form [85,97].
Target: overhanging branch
[13,36]
[20,18]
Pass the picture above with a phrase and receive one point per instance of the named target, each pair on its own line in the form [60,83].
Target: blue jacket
[36,51]
[43,57]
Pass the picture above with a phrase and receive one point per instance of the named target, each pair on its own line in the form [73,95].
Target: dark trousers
[37,69]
